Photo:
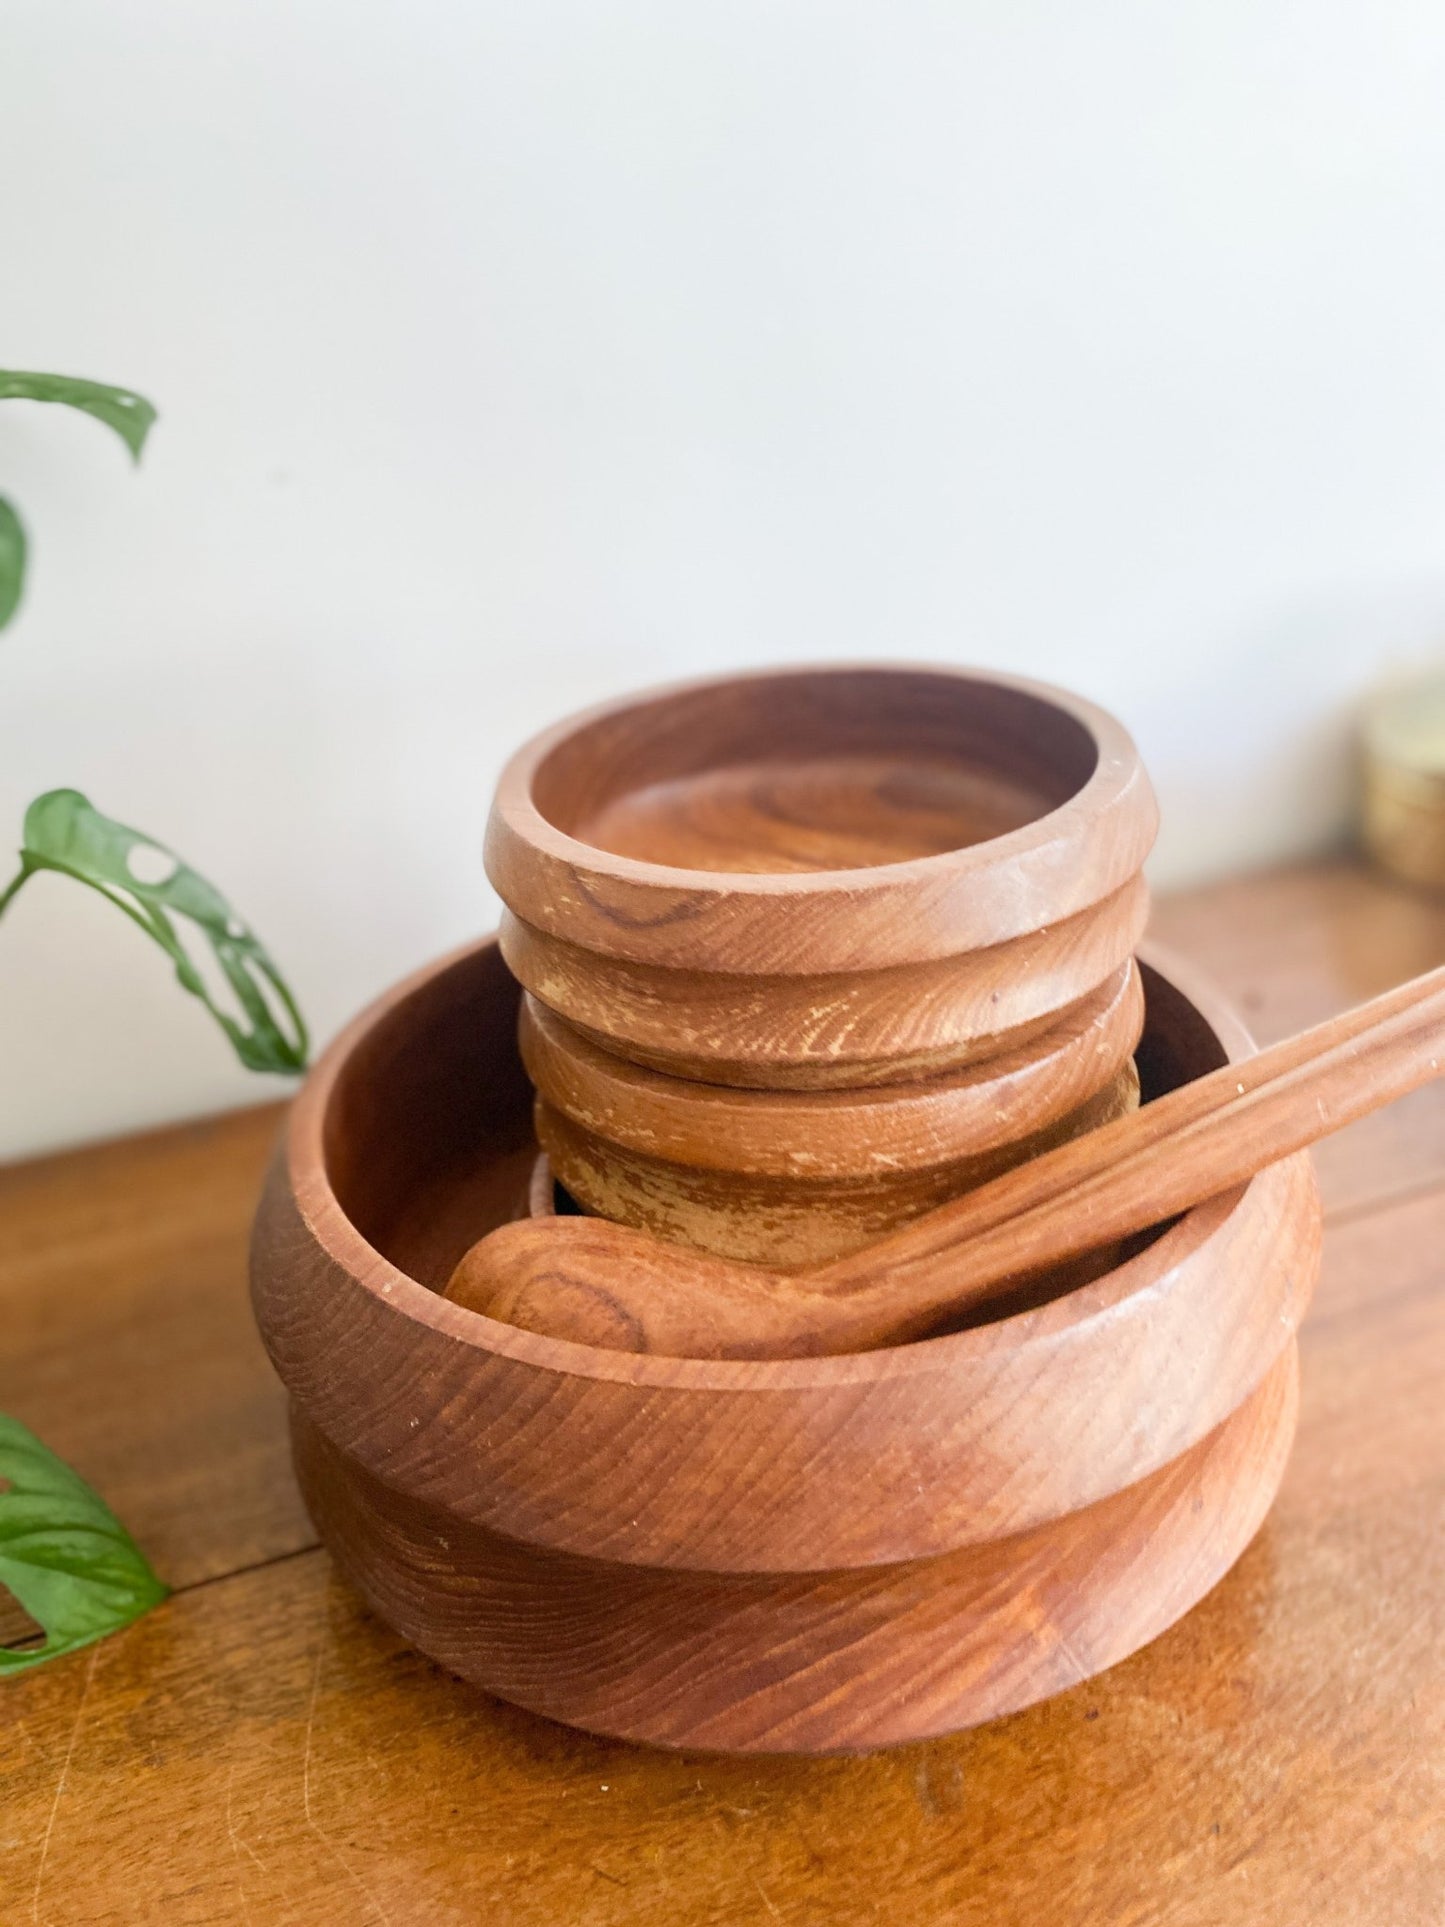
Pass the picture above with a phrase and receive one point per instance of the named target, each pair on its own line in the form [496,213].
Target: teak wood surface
[971,1258]
[819,820]
[752,1554]
[261,1751]
[792,1178]
[817,882]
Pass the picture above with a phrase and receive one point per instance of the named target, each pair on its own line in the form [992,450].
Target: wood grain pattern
[784,1224]
[1184,1331]
[809,1662]
[126,1339]
[828,875]
[969,1258]
[481,1433]
[847,1029]
[1092,820]
[829,811]
[1290,948]
[789,1178]
[264,1750]
[869,1132]
[694,883]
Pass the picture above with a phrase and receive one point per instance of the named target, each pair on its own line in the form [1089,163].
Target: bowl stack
[802,1555]
[806,953]
[802,954]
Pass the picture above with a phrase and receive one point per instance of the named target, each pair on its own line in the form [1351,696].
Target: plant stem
[13,886]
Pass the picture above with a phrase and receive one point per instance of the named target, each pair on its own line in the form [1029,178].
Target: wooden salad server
[604,1284]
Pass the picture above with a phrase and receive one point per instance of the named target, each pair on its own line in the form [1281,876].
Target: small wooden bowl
[798,1177]
[800,1556]
[817,877]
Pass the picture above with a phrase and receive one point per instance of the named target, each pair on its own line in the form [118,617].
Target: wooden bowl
[808,953]
[814,877]
[806,1556]
[798,1177]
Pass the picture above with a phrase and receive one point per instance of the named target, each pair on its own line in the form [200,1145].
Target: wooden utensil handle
[1193,1144]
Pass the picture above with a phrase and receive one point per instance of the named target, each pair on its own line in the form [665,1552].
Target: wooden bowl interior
[760,1555]
[813,772]
[429,1139]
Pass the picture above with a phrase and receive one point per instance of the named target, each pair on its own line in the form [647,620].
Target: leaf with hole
[172,903]
[63,1553]
[129,414]
[12,561]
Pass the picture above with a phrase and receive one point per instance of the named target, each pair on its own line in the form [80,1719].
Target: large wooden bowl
[811,1555]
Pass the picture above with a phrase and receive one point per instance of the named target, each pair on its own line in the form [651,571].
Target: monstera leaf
[130,415]
[172,903]
[12,561]
[64,1556]
[63,1553]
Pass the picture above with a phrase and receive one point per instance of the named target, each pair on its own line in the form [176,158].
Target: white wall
[510,355]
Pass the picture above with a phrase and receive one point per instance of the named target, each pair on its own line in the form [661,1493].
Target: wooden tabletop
[261,1751]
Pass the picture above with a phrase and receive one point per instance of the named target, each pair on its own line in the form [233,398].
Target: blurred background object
[1404,787]
[518,356]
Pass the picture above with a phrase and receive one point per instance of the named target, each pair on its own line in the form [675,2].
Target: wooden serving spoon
[605,1284]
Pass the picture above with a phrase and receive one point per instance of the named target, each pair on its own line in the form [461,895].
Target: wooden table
[261,1751]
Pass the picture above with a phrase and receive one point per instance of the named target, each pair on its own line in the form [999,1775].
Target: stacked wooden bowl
[802,954]
[773,1556]
[807,953]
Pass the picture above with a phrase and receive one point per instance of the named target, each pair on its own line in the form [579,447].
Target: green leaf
[63,1553]
[12,561]
[130,415]
[155,889]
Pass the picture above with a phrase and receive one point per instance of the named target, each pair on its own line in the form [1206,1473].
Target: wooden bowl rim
[965,1007]
[656,1115]
[398,1294]
[984,904]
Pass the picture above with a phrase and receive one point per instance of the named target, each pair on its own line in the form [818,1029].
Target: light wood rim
[831,920]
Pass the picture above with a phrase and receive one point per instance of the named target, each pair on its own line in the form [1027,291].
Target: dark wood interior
[428,1137]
